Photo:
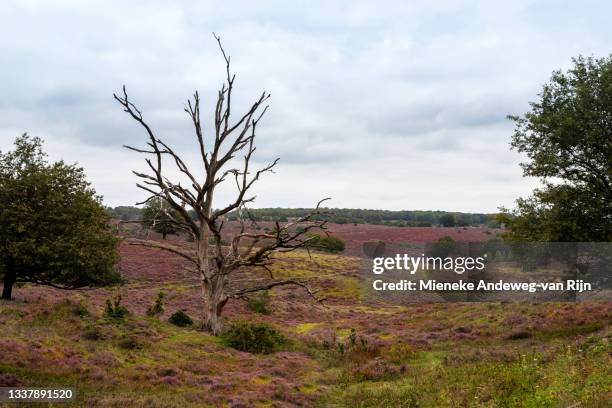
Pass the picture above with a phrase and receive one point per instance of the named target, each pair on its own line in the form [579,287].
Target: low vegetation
[260,303]
[158,306]
[115,310]
[180,319]
[327,243]
[253,337]
[347,353]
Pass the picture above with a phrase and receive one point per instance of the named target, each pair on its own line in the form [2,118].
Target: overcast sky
[377,104]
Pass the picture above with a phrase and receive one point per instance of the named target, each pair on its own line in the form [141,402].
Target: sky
[376,104]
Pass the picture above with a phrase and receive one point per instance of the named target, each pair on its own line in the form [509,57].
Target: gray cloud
[384,104]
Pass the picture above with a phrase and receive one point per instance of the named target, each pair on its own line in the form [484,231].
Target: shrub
[374,370]
[80,310]
[9,380]
[180,319]
[92,333]
[357,348]
[72,307]
[130,343]
[442,247]
[115,310]
[260,303]
[327,243]
[354,350]
[158,306]
[518,334]
[253,337]
[104,359]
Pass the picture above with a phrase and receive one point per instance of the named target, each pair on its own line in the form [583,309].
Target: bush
[518,334]
[327,243]
[93,333]
[115,310]
[442,247]
[180,319]
[374,370]
[158,306]
[74,308]
[253,337]
[260,303]
[80,310]
[130,343]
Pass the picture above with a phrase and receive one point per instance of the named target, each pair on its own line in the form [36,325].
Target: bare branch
[166,247]
[243,292]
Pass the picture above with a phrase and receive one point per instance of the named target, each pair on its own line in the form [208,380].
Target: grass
[555,379]
[306,327]
[552,372]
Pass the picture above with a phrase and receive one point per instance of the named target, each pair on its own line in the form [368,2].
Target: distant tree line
[383,217]
[348,216]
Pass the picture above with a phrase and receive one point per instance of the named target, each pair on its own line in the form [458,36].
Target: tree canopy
[53,227]
[567,137]
[447,220]
[158,215]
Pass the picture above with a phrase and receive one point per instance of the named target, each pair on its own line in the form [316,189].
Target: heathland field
[346,352]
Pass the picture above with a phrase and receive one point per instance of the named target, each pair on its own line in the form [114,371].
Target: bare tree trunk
[214,301]
[9,280]
[212,281]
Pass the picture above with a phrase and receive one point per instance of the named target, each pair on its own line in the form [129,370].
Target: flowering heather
[420,353]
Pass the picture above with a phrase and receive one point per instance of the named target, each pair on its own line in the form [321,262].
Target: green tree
[53,227]
[447,220]
[567,137]
[158,215]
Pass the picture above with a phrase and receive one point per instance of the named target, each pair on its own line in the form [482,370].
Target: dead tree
[214,261]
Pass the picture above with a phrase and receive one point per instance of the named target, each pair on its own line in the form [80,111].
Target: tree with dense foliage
[447,220]
[53,227]
[158,215]
[213,262]
[567,137]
